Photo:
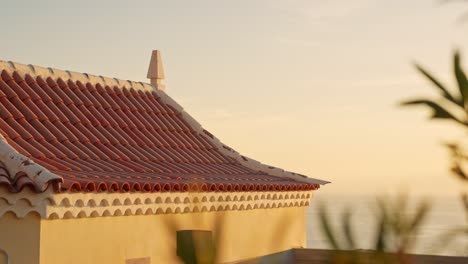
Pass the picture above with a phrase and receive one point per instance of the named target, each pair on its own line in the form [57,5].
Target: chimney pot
[156,70]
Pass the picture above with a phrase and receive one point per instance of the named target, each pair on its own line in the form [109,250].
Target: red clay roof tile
[101,138]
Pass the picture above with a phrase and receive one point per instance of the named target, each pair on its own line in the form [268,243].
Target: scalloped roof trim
[51,205]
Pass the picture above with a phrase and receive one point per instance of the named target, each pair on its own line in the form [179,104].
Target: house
[102,170]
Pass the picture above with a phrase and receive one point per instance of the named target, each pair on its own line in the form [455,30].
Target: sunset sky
[309,86]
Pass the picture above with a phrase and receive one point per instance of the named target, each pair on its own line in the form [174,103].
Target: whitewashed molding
[51,205]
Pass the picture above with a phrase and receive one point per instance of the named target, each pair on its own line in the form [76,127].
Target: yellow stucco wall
[112,240]
[19,238]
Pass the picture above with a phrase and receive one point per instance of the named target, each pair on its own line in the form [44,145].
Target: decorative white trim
[24,202]
[83,205]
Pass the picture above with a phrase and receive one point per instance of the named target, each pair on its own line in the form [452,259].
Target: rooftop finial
[156,70]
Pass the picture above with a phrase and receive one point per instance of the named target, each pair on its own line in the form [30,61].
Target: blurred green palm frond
[452,106]
[396,229]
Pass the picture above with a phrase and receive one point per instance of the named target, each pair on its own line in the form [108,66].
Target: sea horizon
[446,213]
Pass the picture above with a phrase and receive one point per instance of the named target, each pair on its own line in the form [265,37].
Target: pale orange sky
[309,86]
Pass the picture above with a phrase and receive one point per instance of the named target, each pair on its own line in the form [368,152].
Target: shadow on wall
[209,246]
[213,237]
[3,257]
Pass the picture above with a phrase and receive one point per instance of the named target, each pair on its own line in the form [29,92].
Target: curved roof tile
[95,134]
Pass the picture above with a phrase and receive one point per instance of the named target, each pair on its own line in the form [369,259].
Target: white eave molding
[52,206]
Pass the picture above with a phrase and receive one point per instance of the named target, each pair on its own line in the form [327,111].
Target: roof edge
[224,149]
[19,165]
[36,71]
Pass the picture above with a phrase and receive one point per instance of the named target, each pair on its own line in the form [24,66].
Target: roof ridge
[36,71]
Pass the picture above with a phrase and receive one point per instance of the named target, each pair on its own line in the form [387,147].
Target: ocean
[446,213]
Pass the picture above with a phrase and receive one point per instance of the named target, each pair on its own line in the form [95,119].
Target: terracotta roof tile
[114,139]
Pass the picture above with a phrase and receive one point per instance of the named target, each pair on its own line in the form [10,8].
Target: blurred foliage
[200,242]
[451,106]
[396,226]
[395,231]
[196,246]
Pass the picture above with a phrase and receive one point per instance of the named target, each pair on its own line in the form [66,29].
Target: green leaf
[419,217]
[438,111]
[382,227]
[458,171]
[347,229]
[326,227]
[461,78]
[448,237]
[464,199]
[380,244]
[459,156]
[443,90]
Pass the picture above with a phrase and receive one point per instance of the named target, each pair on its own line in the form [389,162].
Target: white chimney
[156,70]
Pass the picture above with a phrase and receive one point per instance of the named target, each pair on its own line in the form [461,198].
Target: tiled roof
[19,181]
[111,136]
